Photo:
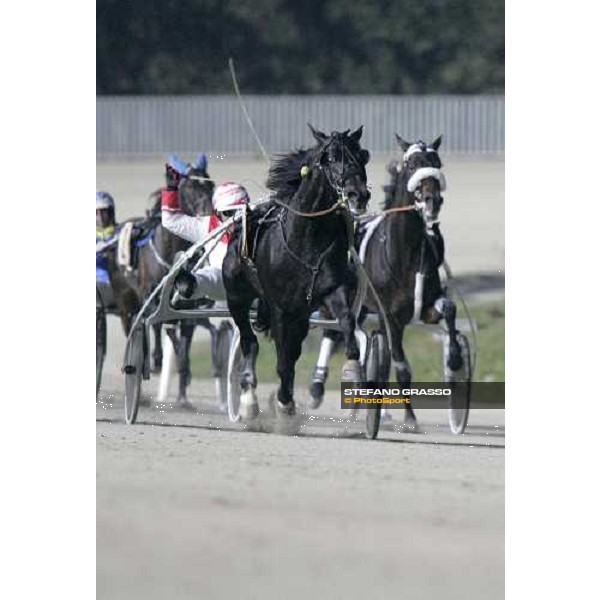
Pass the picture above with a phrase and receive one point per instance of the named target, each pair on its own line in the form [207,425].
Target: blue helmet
[176,163]
[201,162]
[104,200]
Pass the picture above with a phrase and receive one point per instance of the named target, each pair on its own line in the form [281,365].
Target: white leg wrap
[248,404]
[168,366]
[403,366]
[439,305]
[325,352]
[419,279]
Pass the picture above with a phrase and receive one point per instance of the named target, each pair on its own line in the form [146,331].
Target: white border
[48,433]
[552,105]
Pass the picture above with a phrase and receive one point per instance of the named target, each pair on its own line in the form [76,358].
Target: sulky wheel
[375,364]
[460,400]
[134,367]
[234,387]
[100,339]
[224,340]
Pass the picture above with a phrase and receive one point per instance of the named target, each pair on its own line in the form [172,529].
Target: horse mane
[284,176]
[154,201]
[393,187]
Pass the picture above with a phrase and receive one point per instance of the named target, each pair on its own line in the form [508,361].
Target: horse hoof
[248,405]
[352,371]
[317,391]
[387,421]
[410,426]
[455,362]
[286,409]
[185,404]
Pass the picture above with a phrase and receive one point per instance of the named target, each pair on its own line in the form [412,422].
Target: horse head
[422,176]
[196,192]
[341,159]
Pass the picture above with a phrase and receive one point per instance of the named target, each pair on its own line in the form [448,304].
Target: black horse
[294,257]
[155,250]
[402,259]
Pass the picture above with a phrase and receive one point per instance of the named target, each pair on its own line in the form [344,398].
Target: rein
[320,213]
[386,212]
[398,209]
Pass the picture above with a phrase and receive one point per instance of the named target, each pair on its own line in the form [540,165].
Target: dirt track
[191,506]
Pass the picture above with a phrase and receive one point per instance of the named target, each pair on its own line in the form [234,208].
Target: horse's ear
[402,143]
[437,143]
[357,134]
[318,135]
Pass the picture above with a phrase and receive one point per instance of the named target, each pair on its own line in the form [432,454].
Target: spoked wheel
[234,387]
[134,368]
[224,340]
[460,400]
[100,339]
[375,365]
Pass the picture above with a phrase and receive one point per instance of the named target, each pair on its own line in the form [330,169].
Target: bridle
[201,202]
[337,184]
[413,185]
[355,165]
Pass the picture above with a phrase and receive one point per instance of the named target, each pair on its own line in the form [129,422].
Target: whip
[246,115]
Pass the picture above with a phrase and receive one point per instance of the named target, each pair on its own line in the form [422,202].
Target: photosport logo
[386,394]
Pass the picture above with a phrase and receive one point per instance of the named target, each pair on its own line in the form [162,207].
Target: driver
[228,198]
[105,232]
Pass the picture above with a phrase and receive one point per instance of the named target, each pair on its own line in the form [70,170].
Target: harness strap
[158,257]
[262,221]
[314,269]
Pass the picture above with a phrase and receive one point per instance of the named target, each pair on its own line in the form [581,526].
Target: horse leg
[157,355]
[339,306]
[330,339]
[212,330]
[239,307]
[186,328]
[215,359]
[444,308]
[288,334]
[403,371]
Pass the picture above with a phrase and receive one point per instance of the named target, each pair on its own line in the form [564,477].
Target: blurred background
[310,47]
[417,68]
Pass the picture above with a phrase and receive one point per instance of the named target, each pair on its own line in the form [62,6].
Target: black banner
[387,394]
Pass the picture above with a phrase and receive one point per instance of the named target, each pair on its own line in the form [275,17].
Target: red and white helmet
[229,196]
